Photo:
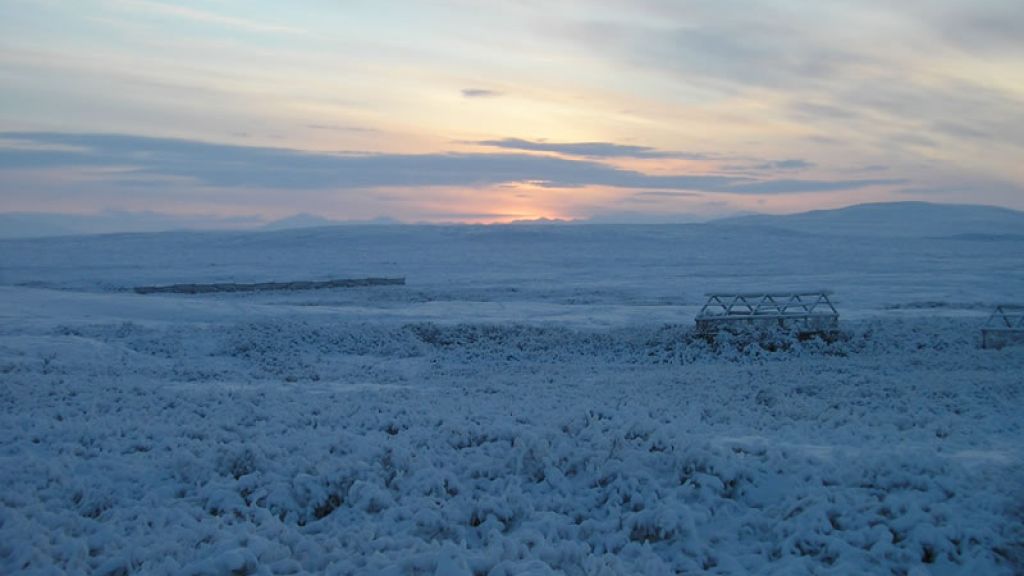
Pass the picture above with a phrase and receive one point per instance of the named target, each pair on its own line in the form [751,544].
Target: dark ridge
[264,286]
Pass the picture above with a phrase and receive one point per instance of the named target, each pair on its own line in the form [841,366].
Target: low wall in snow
[265,286]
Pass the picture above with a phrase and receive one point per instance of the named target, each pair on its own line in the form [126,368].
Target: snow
[533,401]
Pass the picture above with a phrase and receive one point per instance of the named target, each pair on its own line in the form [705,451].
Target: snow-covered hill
[897,219]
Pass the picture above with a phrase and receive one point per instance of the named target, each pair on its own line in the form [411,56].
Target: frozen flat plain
[533,401]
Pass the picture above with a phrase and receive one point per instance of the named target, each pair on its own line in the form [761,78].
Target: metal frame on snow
[1004,327]
[805,312]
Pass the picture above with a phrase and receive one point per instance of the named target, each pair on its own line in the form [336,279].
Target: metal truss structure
[1004,327]
[804,312]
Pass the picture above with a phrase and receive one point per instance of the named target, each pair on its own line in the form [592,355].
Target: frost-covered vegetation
[401,432]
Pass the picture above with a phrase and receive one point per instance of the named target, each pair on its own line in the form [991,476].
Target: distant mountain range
[891,219]
[895,219]
[42,224]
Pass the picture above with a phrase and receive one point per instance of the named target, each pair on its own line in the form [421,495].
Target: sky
[469,111]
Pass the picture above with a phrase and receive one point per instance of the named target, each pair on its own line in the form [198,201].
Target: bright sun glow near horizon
[456,111]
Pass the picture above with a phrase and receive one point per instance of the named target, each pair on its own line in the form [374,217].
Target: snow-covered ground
[533,401]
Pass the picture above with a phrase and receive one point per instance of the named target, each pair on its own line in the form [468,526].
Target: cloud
[590,149]
[233,166]
[666,194]
[792,164]
[964,190]
[457,216]
[958,130]
[816,110]
[339,128]
[479,93]
[658,197]
[906,73]
[643,217]
[799,186]
[965,108]
[987,28]
[203,16]
[753,44]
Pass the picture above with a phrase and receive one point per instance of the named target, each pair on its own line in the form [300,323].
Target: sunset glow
[632,111]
